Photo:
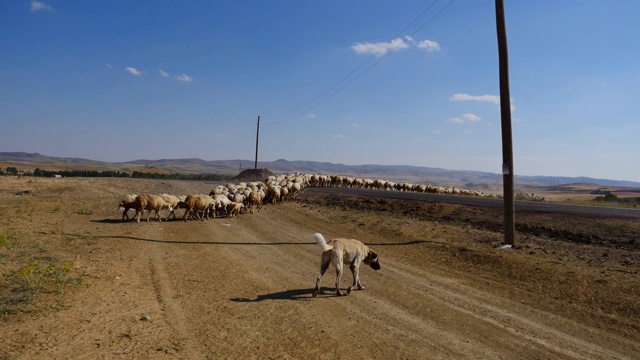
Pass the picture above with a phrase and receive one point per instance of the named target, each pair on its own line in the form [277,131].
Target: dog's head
[372,260]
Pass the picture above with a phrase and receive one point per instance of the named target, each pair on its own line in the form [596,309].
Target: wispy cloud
[337,136]
[355,126]
[220,135]
[110,66]
[312,116]
[495,99]
[426,45]
[163,73]
[40,6]
[429,46]
[134,71]
[183,78]
[482,98]
[380,49]
[468,117]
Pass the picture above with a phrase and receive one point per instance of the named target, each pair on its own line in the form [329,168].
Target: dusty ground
[100,288]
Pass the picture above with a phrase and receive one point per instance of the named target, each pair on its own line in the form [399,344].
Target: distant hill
[398,173]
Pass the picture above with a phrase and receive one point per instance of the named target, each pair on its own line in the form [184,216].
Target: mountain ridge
[408,173]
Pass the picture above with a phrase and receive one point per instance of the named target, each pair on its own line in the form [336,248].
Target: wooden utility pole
[507,141]
[257,137]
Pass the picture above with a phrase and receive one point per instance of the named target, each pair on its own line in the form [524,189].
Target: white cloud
[311,116]
[428,45]
[380,49]
[163,73]
[482,98]
[39,5]
[221,135]
[355,126]
[468,117]
[110,66]
[337,136]
[471,117]
[184,78]
[134,71]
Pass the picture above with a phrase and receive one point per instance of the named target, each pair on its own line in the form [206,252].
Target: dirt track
[241,288]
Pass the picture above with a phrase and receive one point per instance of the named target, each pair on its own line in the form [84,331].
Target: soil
[79,282]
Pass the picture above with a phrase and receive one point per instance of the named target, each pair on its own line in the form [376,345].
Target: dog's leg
[326,261]
[354,271]
[338,262]
[339,267]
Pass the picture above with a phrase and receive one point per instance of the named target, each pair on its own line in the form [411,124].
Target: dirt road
[241,288]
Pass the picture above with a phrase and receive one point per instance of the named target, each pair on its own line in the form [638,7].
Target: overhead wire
[320,99]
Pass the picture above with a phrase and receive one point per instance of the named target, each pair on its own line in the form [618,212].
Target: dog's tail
[322,242]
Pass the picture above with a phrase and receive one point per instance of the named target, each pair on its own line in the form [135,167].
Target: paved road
[545,207]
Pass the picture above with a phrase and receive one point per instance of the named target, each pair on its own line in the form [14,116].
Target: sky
[352,82]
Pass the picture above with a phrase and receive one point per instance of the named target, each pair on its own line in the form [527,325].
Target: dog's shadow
[298,295]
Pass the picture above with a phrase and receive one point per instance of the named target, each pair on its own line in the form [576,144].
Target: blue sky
[352,82]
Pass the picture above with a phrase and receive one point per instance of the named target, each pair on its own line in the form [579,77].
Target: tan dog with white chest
[344,251]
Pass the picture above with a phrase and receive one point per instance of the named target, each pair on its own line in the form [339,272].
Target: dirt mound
[252,175]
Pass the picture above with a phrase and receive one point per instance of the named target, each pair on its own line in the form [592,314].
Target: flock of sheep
[234,199]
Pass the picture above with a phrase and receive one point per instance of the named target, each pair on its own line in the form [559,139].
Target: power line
[320,99]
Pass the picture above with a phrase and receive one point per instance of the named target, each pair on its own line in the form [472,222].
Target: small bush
[38,276]
[527,197]
[84,211]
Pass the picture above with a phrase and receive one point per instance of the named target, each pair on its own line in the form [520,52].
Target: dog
[344,251]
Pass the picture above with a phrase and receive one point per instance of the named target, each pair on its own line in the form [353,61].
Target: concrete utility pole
[507,141]
[257,137]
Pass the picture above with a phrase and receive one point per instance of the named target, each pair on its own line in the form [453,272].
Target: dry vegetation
[55,249]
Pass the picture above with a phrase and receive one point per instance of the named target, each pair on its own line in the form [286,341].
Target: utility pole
[507,141]
[257,137]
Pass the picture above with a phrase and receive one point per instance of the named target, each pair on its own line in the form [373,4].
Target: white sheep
[174,201]
[221,202]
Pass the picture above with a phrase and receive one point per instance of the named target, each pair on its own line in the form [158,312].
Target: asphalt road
[545,207]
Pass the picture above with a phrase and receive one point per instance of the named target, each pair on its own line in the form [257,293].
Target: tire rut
[172,309]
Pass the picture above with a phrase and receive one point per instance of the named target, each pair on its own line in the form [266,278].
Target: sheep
[284,191]
[128,202]
[198,202]
[233,208]
[273,194]
[174,201]
[221,202]
[150,202]
[255,200]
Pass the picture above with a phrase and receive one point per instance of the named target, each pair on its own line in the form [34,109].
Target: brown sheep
[198,202]
[255,200]
[151,202]
[128,202]
[233,208]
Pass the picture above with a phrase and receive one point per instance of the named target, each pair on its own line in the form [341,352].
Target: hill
[399,173]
